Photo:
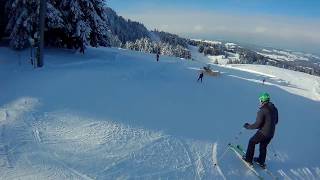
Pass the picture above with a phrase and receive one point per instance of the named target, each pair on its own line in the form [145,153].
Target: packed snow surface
[118,114]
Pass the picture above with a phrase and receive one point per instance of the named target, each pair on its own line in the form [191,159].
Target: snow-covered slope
[297,83]
[117,114]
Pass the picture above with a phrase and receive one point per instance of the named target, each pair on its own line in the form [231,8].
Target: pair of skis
[238,150]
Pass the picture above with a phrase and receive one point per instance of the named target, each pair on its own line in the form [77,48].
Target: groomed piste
[117,114]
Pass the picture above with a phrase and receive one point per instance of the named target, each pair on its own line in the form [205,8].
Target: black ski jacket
[267,118]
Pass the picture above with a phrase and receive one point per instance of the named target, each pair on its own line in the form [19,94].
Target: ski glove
[246,125]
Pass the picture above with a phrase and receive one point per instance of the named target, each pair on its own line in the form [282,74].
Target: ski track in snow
[47,136]
[215,160]
[64,144]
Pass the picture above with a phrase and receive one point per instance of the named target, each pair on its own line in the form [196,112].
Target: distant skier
[263,80]
[82,48]
[158,56]
[200,77]
[267,118]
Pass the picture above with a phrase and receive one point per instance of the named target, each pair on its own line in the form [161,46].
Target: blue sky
[293,24]
[303,8]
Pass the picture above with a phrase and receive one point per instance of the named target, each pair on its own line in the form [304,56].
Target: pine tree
[149,46]
[3,18]
[24,20]
[85,22]
[22,23]
[69,23]
[201,49]
[54,35]
[125,30]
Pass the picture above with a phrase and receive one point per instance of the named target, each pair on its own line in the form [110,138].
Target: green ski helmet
[264,97]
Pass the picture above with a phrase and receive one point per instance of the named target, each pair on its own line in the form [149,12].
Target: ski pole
[227,148]
[273,151]
[223,154]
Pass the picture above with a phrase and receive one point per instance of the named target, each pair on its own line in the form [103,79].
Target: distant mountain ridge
[235,54]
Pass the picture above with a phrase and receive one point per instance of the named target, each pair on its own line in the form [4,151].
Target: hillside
[119,114]
[231,53]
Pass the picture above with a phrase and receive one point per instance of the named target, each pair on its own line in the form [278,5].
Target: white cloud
[198,28]
[260,29]
[165,27]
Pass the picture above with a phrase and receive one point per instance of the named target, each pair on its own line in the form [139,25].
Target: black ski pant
[258,138]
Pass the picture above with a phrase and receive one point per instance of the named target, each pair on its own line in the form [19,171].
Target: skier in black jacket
[267,118]
[200,77]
